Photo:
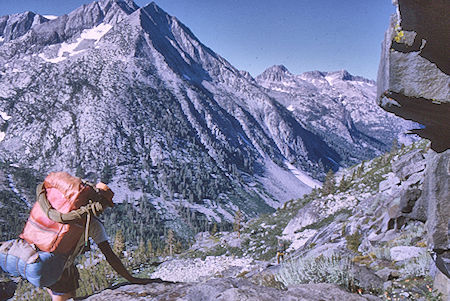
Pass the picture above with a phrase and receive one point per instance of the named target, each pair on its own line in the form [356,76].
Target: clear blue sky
[253,35]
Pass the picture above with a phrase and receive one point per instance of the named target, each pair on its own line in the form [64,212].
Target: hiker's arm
[117,264]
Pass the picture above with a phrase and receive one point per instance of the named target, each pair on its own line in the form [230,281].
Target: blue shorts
[67,283]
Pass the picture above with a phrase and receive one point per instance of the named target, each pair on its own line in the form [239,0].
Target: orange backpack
[64,193]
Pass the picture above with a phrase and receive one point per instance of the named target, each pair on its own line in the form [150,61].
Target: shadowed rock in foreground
[413,77]
[414,83]
[226,289]
[7,289]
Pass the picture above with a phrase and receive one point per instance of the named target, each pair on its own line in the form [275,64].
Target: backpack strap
[94,207]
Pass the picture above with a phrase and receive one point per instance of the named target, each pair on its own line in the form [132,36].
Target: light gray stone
[385,274]
[436,190]
[409,164]
[387,285]
[390,235]
[442,284]
[408,199]
[401,253]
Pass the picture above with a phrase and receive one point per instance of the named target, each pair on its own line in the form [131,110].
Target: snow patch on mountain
[304,178]
[5,116]
[88,37]
[284,183]
[50,17]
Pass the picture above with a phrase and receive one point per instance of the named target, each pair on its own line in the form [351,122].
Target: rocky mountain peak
[16,25]
[65,27]
[126,6]
[274,73]
[247,75]
[313,75]
[106,11]
[344,75]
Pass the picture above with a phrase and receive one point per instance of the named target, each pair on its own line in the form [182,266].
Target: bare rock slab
[227,289]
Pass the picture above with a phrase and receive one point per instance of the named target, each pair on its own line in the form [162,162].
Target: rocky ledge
[226,289]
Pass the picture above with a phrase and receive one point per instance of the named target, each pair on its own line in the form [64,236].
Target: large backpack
[65,193]
[54,227]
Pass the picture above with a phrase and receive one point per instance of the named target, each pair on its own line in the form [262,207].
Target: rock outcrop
[413,77]
[436,194]
[227,289]
[414,83]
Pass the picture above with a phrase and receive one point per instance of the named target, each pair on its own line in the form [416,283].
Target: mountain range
[130,96]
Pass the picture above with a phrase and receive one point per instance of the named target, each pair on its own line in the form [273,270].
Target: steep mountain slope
[366,231]
[339,107]
[130,96]
[370,229]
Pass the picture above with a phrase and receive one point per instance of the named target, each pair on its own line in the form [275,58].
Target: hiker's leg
[59,297]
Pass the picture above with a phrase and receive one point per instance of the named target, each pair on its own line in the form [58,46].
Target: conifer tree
[170,243]
[141,251]
[394,147]
[119,243]
[343,184]
[178,247]
[237,222]
[149,249]
[214,229]
[360,170]
[329,184]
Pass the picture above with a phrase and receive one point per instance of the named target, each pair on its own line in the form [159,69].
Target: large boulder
[409,164]
[413,77]
[436,192]
[401,253]
[436,196]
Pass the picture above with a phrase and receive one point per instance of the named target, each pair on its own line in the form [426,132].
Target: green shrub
[353,241]
[322,269]
[268,280]
[27,291]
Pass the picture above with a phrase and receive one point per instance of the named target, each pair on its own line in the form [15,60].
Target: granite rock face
[15,26]
[436,190]
[414,83]
[227,289]
[413,76]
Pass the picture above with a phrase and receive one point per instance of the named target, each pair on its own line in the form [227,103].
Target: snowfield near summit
[88,38]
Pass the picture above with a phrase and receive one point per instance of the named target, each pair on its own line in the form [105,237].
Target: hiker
[57,231]
[280,251]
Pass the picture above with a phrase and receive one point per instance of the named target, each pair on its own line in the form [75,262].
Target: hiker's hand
[145,280]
